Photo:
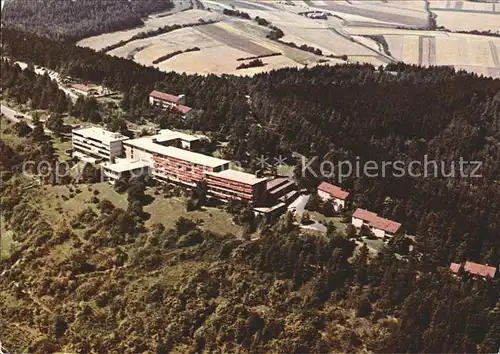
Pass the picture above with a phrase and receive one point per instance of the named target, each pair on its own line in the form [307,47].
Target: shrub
[364,308]
[193,238]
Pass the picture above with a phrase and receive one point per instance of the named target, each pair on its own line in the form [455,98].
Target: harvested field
[376,61]
[464,5]
[221,59]
[427,51]
[180,18]
[181,39]
[396,45]
[328,41]
[221,35]
[480,70]
[411,48]
[393,12]
[369,43]
[466,21]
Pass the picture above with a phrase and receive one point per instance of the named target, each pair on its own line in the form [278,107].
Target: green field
[5,240]
[162,210]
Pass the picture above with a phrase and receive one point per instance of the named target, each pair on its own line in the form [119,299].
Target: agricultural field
[464,5]
[403,13]
[366,31]
[468,21]
[152,23]
[479,54]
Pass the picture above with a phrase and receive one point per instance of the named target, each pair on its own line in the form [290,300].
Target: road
[53,76]
[10,114]
[298,207]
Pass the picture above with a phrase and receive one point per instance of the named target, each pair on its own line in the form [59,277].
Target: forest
[284,290]
[74,20]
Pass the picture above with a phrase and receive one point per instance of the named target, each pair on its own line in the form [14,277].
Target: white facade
[338,204]
[125,167]
[358,223]
[156,101]
[97,143]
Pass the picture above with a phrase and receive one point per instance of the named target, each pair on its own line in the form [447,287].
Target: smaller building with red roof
[475,269]
[167,100]
[83,90]
[336,195]
[454,268]
[380,227]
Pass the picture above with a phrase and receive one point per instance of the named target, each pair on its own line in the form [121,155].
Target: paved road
[10,114]
[299,205]
[39,70]
[298,208]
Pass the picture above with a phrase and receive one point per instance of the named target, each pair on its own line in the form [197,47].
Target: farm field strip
[237,41]
[166,43]
[411,49]
[375,10]
[180,18]
[494,54]
[427,51]
[461,5]
[396,45]
[328,41]
[375,60]
[463,21]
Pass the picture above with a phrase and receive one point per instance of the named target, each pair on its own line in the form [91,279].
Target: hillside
[77,19]
[104,279]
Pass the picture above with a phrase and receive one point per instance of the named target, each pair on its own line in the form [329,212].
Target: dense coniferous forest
[73,20]
[283,291]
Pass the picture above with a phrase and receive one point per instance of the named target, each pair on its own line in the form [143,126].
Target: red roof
[164,96]
[81,87]
[376,221]
[183,109]
[480,269]
[333,191]
[454,267]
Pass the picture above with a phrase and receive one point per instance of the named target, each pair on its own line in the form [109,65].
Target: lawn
[168,210]
[161,210]
[60,145]
[325,220]
[5,240]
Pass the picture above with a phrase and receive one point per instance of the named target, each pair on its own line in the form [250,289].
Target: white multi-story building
[124,168]
[97,144]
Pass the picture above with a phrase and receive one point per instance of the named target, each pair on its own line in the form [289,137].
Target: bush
[193,238]
[364,308]
[94,200]
[105,206]
[252,64]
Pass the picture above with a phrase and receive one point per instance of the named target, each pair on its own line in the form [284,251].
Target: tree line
[74,20]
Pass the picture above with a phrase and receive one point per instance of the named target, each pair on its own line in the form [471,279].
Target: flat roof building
[169,137]
[172,164]
[232,184]
[97,143]
[125,168]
